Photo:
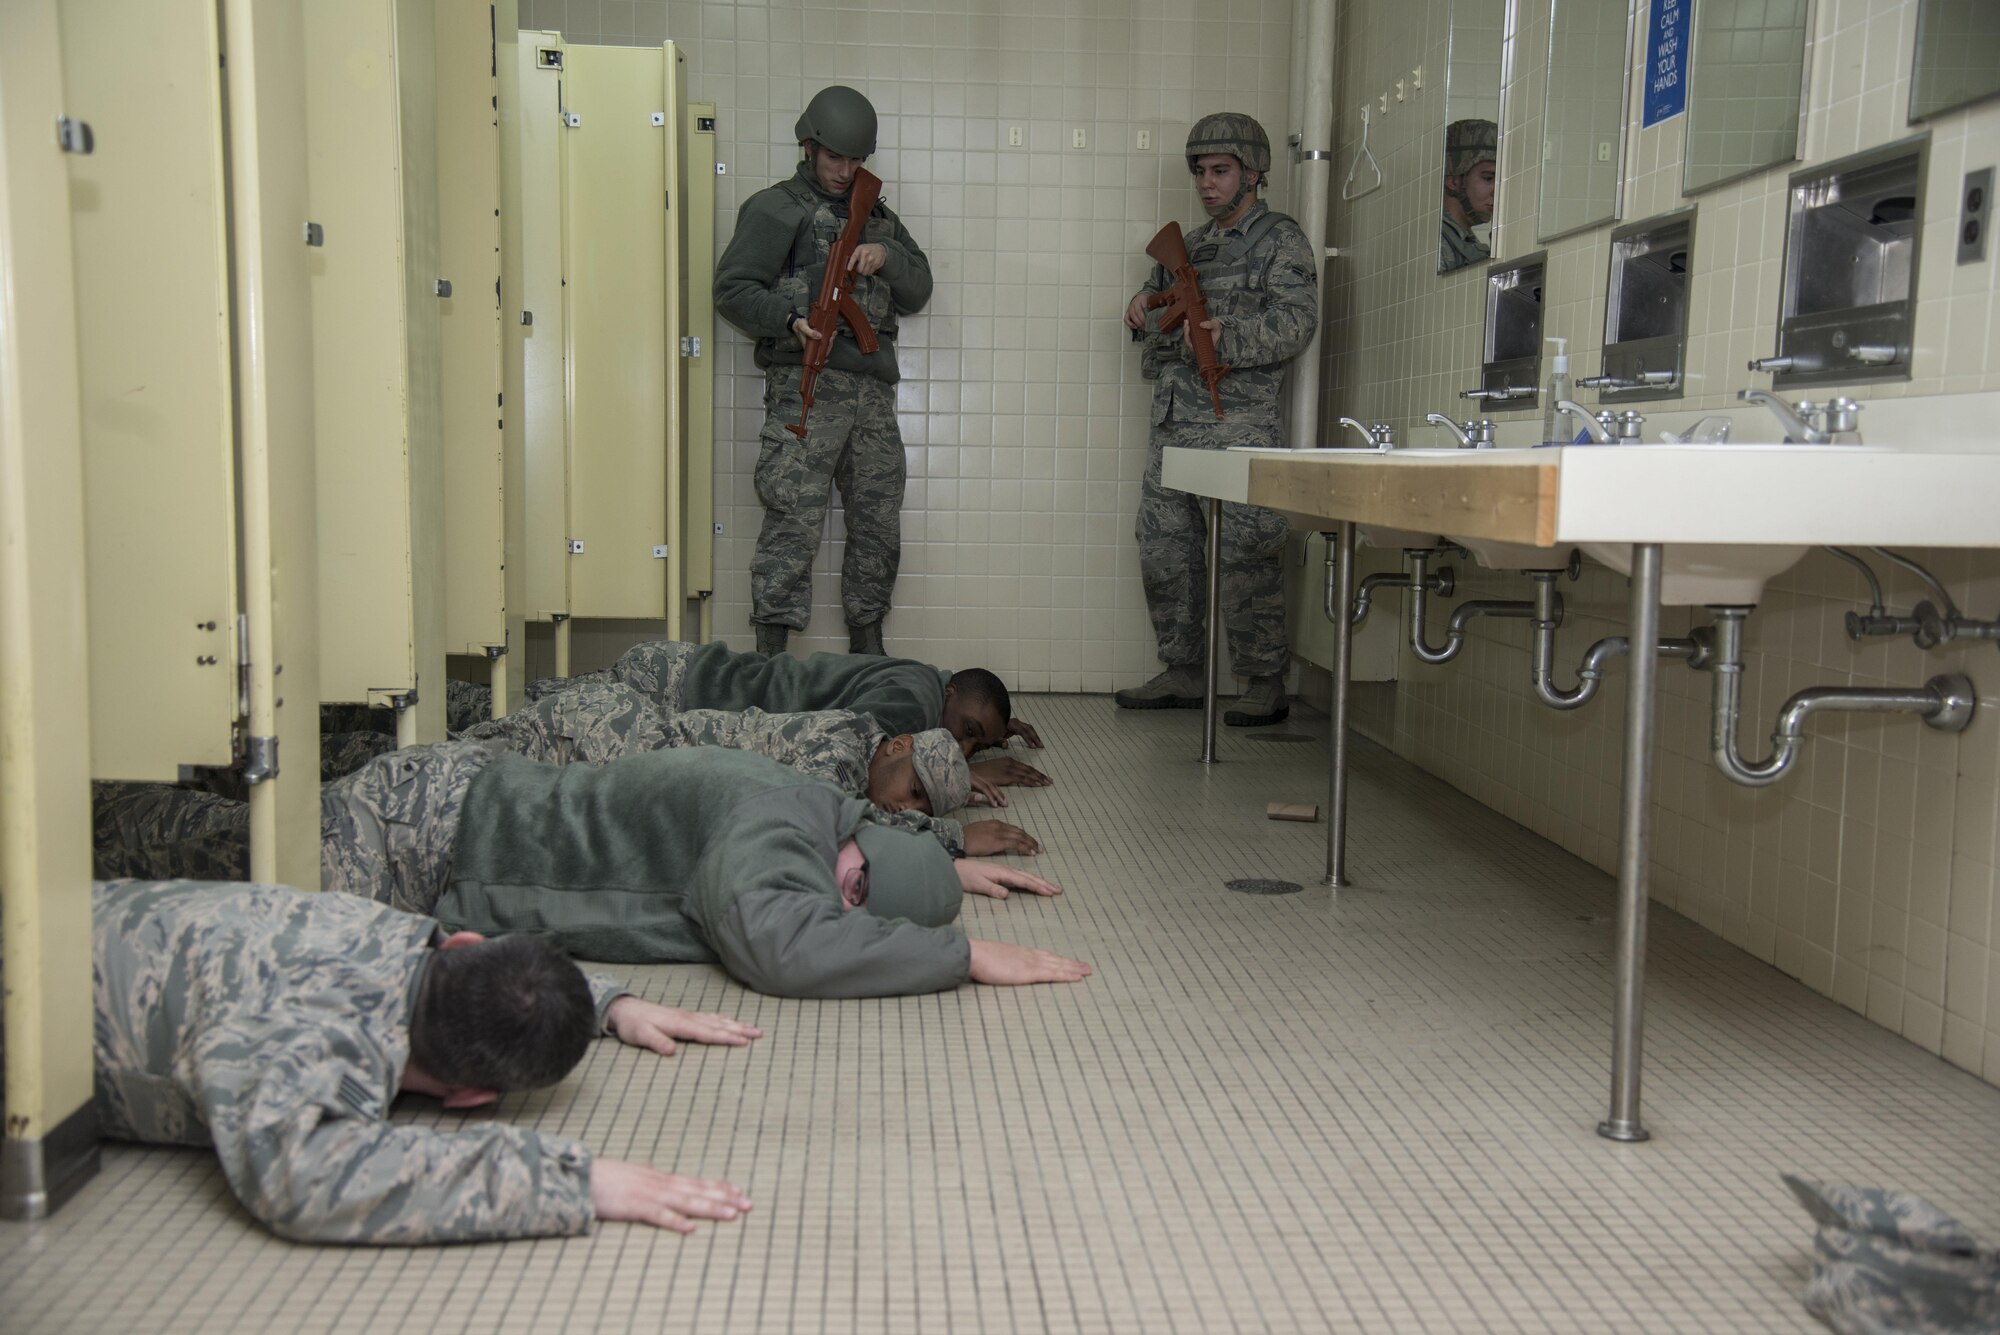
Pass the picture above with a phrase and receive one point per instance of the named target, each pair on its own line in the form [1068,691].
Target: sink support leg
[1214,669]
[1634,850]
[1339,598]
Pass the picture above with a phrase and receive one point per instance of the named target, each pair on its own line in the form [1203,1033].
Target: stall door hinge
[660,551]
[574,546]
[690,345]
[261,760]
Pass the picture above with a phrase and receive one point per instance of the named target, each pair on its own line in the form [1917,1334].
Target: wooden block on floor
[1306,811]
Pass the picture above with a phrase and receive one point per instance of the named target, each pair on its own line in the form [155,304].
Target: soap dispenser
[1559,388]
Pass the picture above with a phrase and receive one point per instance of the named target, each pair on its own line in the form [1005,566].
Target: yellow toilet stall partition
[606,356]
[377,286]
[157,560]
[480,619]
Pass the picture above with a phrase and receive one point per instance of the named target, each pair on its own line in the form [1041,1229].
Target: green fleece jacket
[900,694]
[687,855]
[768,226]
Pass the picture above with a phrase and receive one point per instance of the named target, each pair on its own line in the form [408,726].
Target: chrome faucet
[1597,426]
[1380,436]
[1475,434]
[1808,423]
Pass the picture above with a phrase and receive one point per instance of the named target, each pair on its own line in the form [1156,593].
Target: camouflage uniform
[466,704]
[342,753]
[273,1025]
[1459,247]
[1890,1261]
[596,722]
[770,274]
[1262,283]
[386,831]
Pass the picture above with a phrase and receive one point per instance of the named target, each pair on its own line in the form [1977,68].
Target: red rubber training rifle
[1185,305]
[836,294]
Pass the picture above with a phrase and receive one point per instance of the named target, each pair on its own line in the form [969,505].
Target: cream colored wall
[1869,874]
[1021,406]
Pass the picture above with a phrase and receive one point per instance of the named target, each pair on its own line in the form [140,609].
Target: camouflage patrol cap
[942,770]
[1230,132]
[840,119]
[1468,143]
[909,876]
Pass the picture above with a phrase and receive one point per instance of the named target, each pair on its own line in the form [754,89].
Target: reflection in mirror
[1472,133]
[1746,99]
[1958,56]
[1583,114]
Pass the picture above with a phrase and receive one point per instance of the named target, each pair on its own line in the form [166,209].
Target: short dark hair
[511,1013]
[978,686]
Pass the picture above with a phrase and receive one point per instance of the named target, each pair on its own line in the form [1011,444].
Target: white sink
[1698,574]
[1396,538]
[1495,555]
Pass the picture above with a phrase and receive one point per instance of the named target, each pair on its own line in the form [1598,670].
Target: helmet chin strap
[1464,197]
[1221,211]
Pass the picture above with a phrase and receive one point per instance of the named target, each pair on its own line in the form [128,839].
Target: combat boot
[1263,703]
[1176,688]
[865,639]
[771,638]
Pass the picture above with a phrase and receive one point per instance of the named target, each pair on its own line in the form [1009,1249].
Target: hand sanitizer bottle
[1552,421]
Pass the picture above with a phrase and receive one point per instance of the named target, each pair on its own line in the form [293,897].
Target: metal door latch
[575,546]
[659,118]
[442,287]
[315,234]
[75,135]
[572,119]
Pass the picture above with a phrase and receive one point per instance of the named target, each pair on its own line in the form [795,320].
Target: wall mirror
[1746,95]
[1471,133]
[1958,56]
[1583,114]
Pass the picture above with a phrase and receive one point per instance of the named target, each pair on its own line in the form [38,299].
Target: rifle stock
[1185,305]
[835,301]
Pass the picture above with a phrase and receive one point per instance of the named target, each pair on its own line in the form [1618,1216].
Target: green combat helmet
[1234,133]
[1242,138]
[1468,143]
[840,120]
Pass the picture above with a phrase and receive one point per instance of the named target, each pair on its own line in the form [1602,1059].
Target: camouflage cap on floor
[942,770]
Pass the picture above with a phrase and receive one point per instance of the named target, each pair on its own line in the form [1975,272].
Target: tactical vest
[822,225]
[1223,267]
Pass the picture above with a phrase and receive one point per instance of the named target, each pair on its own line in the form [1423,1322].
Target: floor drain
[1262,887]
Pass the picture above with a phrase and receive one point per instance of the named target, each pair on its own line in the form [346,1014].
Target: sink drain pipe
[1945,702]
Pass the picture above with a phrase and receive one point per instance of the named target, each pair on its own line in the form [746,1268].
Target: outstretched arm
[647,1024]
[1007,965]
[641,1194]
[994,881]
[1003,770]
[295,1104]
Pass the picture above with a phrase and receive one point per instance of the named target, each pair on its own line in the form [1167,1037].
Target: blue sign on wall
[1666,60]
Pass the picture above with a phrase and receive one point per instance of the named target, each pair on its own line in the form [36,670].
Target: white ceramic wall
[1021,406]
[1870,874]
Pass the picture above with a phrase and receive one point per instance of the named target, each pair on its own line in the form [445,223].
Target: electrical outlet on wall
[1013,136]
[1145,139]
[1975,215]
[1077,138]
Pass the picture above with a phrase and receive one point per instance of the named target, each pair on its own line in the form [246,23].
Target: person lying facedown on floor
[600,720]
[903,695]
[658,859]
[278,1026]
[610,857]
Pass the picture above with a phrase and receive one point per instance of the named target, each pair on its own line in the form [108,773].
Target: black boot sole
[1124,701]
[1236,718]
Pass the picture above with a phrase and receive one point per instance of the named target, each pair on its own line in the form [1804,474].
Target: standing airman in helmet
[765,284]
[1261,283]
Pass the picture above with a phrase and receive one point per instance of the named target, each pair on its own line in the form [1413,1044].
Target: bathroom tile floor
[1368,1111]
